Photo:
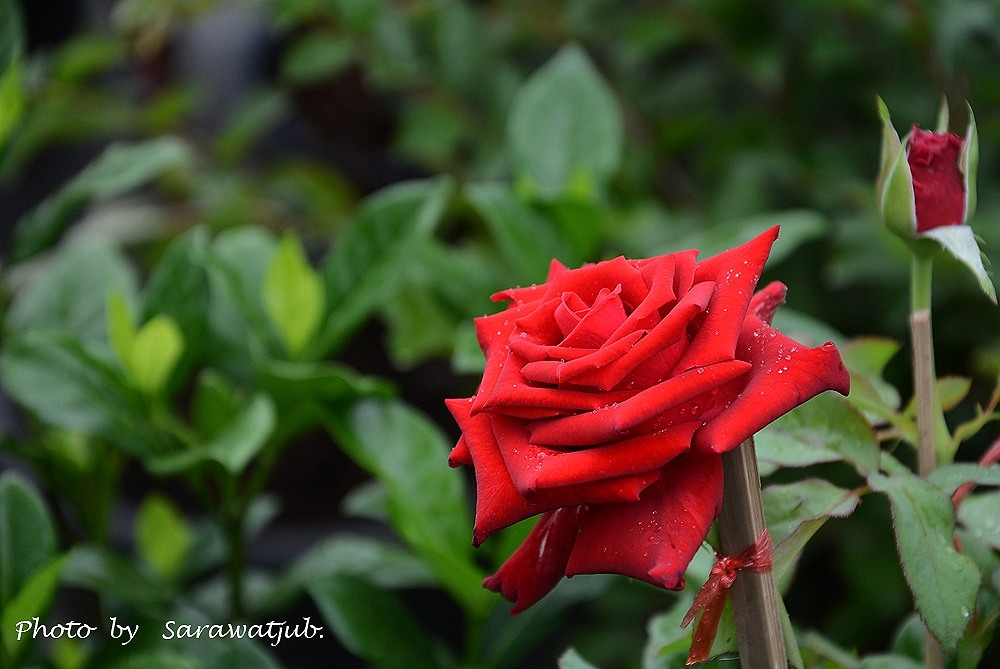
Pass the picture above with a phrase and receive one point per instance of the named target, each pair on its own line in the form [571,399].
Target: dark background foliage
[287,114]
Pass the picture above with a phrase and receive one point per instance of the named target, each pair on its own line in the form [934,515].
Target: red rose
[609,393]
[938,183]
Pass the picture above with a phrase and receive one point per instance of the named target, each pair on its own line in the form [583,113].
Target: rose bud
[609,394]
[927,180]
[926,190]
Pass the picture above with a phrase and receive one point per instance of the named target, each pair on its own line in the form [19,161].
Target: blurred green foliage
[207,288]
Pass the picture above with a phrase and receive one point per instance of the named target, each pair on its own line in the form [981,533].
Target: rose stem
[754,598]
[930,416]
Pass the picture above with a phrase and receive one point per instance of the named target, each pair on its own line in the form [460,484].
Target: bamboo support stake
[753,595]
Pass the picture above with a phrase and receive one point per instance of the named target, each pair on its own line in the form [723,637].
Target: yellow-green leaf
[162,535]
[293,295]
[157,347]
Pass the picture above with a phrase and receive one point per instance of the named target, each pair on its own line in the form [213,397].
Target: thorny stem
[930,416]
[754,598]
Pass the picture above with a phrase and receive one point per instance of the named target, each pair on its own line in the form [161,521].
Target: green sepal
[891,147]
[961,242]
[943,116]
[896,200]
[968,163]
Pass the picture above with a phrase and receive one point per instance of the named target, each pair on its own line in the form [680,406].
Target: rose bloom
[609,393]
[938,182]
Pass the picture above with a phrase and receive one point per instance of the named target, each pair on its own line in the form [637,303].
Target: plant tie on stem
[712,597]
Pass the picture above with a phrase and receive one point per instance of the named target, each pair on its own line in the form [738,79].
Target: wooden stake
[753,595]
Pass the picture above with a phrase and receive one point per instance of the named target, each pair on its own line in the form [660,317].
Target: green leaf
[380,563]
[236,263]
[373,624]
[960,242]
[214,405]
[157,347]
[787,506]
[121,328]
[366,500]
[795,512]
[571,659]
[105,572]
[369,261]
[950,477]
[944,582]
[70,294]
[11,99]
[256,115]
[162,536]
[56,378]
[85,55]
[11,34]
[316,56]
[824,429]
[419,325]
[327,383]
[11,50]
[866,359]
[668,643]
[233,448]
[565,128]
[889,662]
[978,514]
[407,453]
[32,600]
[27,535]
[178,288]
[293,295]
[121,168]
[528,239]
[245,437]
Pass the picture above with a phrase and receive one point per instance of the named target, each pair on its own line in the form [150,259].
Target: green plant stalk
[232,517]
[931,426]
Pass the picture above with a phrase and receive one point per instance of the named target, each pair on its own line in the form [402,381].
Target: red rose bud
[938,184]
[927,190]
[927,180]
[609,394]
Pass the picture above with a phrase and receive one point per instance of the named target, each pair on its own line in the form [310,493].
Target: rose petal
[736,273]
[655,538]
[549,476]
[533,350]
[767,300]
[558,371]
[493,333]
[619,490]
[540,323]
[658,274]
[612,421]
[587,281]
[531,293]
[598,322]
[459,455]
[785,374]
[938,183]
[511,390]
[533,468]
[498,504]
[663,335]
[540,562]
[569,312]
